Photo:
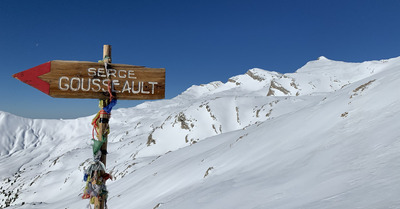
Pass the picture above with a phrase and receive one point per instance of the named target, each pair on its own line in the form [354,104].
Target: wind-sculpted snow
[325,136]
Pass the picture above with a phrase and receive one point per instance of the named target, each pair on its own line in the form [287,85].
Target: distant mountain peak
[322,58]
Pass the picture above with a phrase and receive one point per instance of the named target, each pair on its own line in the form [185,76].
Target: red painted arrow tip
[31,77]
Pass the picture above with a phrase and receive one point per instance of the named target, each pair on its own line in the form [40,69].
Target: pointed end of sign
[31,77]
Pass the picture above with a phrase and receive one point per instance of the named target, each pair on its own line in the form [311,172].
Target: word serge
[121,81]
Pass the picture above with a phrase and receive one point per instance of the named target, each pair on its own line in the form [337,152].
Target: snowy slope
[325,136]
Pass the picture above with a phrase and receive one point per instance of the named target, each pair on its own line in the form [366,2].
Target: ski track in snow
[325,136]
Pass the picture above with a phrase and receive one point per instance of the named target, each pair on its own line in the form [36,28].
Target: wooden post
[107,53]
[104,119]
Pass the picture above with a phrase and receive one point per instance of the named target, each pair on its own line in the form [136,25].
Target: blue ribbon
[109,107]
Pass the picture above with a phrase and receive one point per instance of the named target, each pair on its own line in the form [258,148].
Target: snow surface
[326,136]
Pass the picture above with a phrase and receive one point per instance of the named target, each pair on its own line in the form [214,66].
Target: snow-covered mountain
[326,136]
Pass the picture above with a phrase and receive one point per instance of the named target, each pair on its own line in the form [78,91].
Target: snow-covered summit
[322,75]
[323,58]
[324,136]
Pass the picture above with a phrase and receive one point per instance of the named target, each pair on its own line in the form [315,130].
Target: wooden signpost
[76,79]
[104,81]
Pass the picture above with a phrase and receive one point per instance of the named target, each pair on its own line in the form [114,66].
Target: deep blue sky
[196,41]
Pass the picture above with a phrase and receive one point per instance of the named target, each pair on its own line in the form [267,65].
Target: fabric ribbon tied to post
[97,145]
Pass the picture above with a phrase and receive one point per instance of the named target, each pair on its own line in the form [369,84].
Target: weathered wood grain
[78,79]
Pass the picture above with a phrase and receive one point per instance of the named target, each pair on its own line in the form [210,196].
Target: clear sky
[196,41]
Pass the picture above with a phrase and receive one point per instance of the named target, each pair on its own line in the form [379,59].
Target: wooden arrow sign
[77,79]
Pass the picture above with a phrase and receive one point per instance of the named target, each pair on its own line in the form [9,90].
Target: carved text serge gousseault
[122,81]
